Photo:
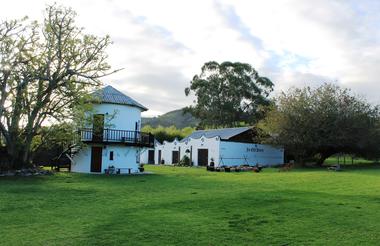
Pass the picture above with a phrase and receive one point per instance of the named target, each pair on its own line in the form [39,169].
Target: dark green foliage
[185,161]
[51,142]
[229,94]
[168,133]
[317,123]
[176,118]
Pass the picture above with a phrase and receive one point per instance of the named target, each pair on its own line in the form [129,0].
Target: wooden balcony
[129,138]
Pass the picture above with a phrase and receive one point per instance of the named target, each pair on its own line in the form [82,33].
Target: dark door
[159,157]
[151,157]
[174,157]
[96,159]
[98,127]
[191,155]
[202,157]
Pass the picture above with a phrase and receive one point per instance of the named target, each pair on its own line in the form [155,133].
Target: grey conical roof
[109,94]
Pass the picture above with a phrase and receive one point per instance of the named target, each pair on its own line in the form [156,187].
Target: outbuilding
[222,147]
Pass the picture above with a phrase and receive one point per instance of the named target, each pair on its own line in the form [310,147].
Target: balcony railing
[134,138]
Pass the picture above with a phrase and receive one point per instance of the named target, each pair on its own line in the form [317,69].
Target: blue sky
[162,44]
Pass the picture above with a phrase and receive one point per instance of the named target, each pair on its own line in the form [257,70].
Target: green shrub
[185,161]
[168,133]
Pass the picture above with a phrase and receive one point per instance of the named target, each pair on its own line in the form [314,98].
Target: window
[111,155]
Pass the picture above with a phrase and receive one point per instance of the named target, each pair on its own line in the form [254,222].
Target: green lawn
[189,206]
[347,160]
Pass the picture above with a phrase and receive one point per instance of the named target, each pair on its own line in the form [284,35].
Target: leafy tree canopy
[229,94]
[317,123]
[46,73]
[53,141]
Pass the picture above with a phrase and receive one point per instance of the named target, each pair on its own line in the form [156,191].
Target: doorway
[175,158]
[96,159]
[150,156]
[202,157]
[97,128]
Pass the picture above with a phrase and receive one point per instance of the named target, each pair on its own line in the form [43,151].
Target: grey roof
[224,133]
[109,94]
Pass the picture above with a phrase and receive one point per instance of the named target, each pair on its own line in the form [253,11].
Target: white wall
[185,146]
[157,148]
[82,161]
[167,148]
[223,152]
[124,157]
[144,155]
[125,117]
[232,154]
[212,144]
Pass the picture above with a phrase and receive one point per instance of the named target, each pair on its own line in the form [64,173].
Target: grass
[347,160]
[189,206]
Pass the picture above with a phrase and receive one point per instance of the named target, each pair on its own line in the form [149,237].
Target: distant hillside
[176,118]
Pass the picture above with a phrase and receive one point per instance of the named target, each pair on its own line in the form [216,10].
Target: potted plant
[141,168]
[110,170]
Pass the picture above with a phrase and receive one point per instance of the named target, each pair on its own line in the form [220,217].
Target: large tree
[46,71]
[317,123]
[54,141]
[229,94]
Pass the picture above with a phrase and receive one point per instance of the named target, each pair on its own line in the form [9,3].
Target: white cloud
[162,44]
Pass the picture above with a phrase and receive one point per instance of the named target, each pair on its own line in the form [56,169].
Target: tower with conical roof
[113,140]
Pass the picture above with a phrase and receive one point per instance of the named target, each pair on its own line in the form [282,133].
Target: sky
[162,44]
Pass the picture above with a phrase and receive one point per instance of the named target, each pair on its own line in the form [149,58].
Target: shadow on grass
[200,209]
[261,218]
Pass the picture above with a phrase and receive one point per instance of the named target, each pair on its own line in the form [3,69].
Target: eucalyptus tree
[46,73]
[229,94]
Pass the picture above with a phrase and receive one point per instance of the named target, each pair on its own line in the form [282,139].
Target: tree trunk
[13,156]
[26,157]
[19,155]
[322,159]
[300,161]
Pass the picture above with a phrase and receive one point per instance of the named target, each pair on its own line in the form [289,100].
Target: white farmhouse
[223,147]
[114,138]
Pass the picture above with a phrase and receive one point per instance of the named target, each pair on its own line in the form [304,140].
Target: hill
[173,118]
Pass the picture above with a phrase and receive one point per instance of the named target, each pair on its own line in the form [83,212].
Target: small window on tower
[111,155]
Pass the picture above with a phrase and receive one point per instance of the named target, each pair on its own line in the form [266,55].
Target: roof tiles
[109,94]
